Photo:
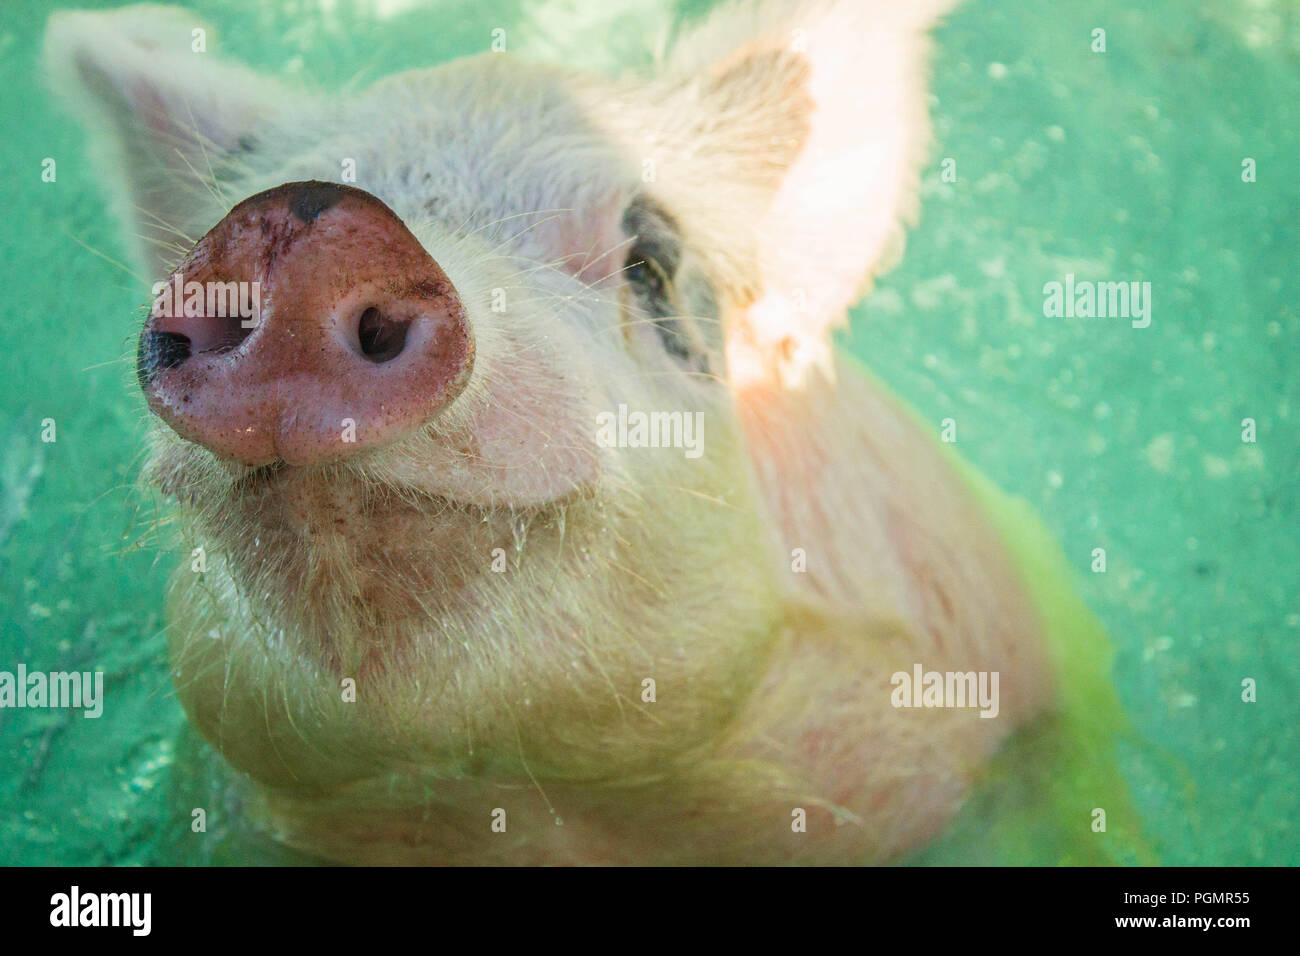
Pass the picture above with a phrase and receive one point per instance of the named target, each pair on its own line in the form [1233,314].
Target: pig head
[455,603]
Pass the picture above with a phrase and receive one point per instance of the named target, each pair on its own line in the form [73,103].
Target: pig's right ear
[793,132]
[167,117]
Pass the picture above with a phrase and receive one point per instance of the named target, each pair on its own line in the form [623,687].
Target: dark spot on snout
[424,289]
[159,351]
[313,198]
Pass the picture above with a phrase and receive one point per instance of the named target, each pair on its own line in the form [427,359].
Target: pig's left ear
[798,153]
[167,115]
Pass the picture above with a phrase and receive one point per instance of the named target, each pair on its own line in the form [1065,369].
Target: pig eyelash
[646,275]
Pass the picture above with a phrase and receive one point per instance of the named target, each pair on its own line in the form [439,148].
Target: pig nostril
[227,334]
[382,338]
[159,351]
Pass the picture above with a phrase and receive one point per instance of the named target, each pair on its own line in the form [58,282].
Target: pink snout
[356,338]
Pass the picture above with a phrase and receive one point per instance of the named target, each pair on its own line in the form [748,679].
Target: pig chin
[353,562]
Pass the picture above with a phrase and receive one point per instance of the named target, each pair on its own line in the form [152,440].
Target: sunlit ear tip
[789,362]
[807,359]
[775,344]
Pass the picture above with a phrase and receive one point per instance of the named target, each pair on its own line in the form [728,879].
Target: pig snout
[307,325]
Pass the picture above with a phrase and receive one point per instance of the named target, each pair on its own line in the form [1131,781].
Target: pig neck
[885,522]
[830,460]
[902,567]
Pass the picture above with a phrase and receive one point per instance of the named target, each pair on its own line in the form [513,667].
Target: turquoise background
[1114,166]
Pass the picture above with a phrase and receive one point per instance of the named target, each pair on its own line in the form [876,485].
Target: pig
[459,602]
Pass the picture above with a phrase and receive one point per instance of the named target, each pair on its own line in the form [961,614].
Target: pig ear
[167,116]
[817,126]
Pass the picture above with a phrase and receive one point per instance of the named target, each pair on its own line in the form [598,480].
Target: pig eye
[650,271]
[656,299]
[647,275]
